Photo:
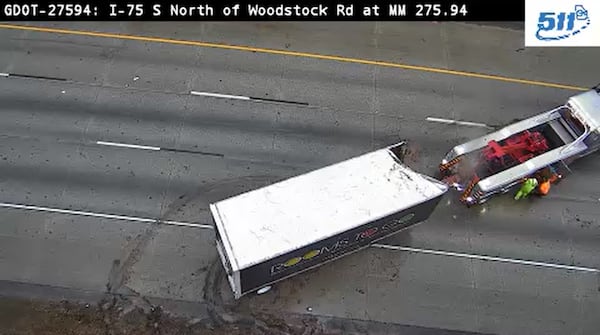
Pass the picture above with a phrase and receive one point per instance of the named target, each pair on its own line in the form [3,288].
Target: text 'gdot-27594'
[48,10]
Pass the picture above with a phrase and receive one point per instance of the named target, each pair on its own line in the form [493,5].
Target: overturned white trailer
[271,233]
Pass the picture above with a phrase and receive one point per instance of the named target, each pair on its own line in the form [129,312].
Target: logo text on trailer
[341,244]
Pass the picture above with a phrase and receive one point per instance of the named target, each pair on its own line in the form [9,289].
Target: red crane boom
[520,147]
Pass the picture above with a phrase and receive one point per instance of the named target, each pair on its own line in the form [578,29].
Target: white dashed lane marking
[460,123]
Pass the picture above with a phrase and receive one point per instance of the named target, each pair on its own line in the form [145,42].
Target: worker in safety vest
[549,177]
[527,187]
[555,176]
[544,187]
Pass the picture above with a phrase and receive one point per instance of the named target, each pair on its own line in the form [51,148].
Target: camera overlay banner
[562,23]
[263,10]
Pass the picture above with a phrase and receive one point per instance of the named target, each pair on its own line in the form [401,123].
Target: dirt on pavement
[29,317]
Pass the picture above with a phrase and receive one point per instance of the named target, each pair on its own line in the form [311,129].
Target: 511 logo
[554,23]
[554,26]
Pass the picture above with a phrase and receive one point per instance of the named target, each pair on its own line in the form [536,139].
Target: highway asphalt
[138,93]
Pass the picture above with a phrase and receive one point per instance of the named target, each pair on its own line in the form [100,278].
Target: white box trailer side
[274,232]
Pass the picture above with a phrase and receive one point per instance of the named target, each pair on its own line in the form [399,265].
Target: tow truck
[498,162]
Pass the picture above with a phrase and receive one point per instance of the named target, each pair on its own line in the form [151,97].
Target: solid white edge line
[486,258]
[219,95]
[102,215]
[462,123]
[123,145]
[2,74]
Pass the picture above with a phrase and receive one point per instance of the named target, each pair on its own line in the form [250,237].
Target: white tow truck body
[571,131]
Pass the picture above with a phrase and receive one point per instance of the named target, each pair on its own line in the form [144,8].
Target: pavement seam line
[103,215]
[30,76]
[487,258]
[291,53]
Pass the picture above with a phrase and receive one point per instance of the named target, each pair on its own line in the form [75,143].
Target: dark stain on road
[120,271]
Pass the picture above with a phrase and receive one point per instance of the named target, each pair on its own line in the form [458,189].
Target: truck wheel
[263,290]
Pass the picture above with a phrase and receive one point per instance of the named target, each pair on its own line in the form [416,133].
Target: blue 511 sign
[562,23]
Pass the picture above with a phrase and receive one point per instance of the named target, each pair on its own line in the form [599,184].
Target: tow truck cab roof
[586,106]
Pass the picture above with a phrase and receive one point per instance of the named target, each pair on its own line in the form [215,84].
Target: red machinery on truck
[496,157]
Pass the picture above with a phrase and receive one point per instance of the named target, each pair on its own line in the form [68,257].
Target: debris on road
[30,317]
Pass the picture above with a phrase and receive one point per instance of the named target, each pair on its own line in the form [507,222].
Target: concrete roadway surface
[58,153]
